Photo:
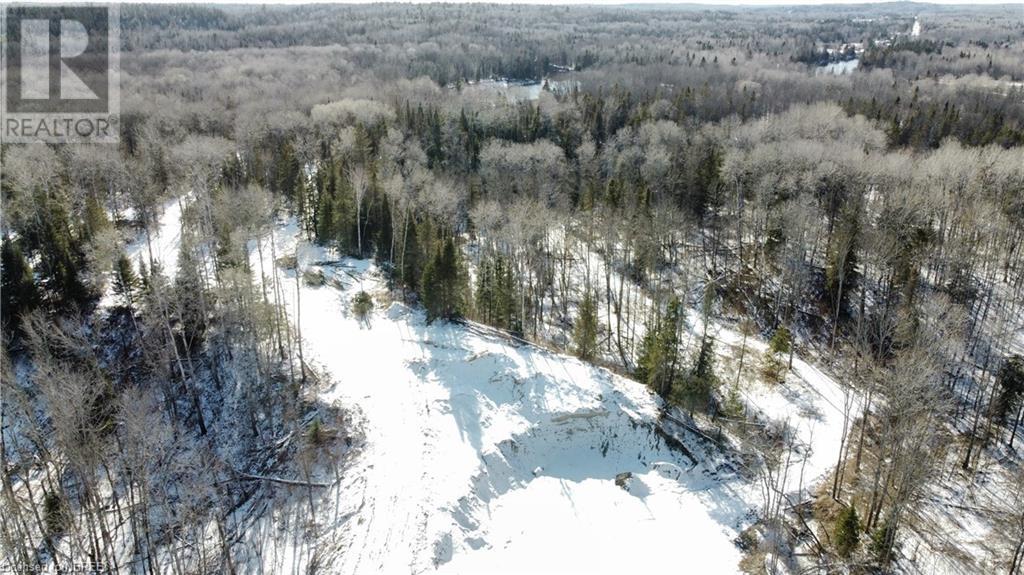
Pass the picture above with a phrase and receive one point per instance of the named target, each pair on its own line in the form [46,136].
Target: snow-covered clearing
[483,455]
[164,242]
[486,455]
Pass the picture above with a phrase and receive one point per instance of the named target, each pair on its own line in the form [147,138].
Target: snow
[591,526]
[809,401]
[812,403]
[486,455]
[164,241]
[458,422]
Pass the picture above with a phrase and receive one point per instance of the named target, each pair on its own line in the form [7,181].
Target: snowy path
[810,401]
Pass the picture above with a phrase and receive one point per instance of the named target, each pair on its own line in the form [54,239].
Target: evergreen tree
[440,286]
[841,265]
[362,305]
[847,532]
[586,328]
[188,288]
[96,219]
[1011,385]
[62,260]
[324,228]
[505,297]
[287,171]
[411,255]
[484,296]
[496,297]
[143,274]
[644,355]
[345,217]
[659,355]
[882,541]
[383,233]
[781,341]
[695,391]
[18,292]
[300,196]
[773,367]
[126,282]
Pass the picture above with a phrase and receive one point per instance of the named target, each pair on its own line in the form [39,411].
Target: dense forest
[590,180]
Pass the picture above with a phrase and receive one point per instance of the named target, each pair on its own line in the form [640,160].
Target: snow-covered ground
[485,455]
[810,402]
[163,244]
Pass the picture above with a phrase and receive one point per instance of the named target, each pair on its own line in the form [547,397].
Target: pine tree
[659,355]
[95,217]
[882,541]
[440,286]
[188,287]
[126,282]
[694,390]
[301,199]
[411,255]
[847,532]
[287,171]
[324,217]
[18,292]
[586,328]
[61,260]
[506,297]
[362,305]
[143,274]
[1011,385]
[781,341]
[345,217]
[484,296]
[383,232]
[773,368]
[645,354]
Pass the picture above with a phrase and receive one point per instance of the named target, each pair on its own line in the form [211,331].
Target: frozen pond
[517,90]
[838,68]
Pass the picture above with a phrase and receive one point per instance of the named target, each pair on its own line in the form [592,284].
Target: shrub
[781,342]
[773,369]
[315,433]
[313,278]
[362,305]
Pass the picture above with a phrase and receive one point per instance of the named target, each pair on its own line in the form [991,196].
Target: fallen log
[293,482]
